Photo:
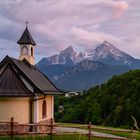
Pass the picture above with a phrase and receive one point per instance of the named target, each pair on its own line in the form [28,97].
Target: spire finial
[26,22]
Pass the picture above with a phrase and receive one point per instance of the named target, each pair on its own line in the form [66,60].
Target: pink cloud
[56,25]
[120,8]
[91,39]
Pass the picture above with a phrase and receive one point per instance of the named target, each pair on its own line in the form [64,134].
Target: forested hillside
[112,103]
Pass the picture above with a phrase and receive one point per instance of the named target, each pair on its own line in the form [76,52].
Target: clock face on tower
[25,50]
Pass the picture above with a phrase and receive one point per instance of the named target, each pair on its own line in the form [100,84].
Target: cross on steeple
[26,22]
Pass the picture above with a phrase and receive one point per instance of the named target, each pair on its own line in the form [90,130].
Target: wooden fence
[93,127]
[11,128]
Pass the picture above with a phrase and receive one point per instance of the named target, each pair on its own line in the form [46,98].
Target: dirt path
[62,130]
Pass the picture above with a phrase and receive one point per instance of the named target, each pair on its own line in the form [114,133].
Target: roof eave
[9,95]
[20,43]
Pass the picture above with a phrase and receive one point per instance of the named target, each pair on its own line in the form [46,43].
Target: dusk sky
[57,24]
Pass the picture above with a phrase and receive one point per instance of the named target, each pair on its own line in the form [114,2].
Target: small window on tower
[31,51]
[24,50]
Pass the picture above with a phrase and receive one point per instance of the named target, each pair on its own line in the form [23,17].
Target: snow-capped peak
[105,53]
[108,52]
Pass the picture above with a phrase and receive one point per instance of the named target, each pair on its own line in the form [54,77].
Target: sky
[57,24]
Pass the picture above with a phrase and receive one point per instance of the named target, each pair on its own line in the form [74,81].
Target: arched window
[44,109]
[31,51]
[25,50]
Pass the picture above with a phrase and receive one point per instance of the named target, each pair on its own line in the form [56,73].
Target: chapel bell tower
[27,45]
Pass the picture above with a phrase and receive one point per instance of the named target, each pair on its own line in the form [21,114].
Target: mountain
[105,53]
[87,74]
[66,57]
[109,54]
[78,71]
[53,72]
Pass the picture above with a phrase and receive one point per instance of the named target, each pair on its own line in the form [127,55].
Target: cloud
[91,39]
[7,48]
[55,25]
[120,8]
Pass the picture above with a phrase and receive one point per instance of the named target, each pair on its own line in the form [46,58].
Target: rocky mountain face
[87,74]
[66,57]
[109,54]
[73,71]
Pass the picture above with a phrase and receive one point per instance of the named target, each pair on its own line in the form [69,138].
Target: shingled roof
[11,84]
[40,83]
[26,38]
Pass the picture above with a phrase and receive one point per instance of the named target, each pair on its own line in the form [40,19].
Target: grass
[85,126]
[137,136]
[112,130]
[122,134]
[72,125]
[103,129]
[58,137]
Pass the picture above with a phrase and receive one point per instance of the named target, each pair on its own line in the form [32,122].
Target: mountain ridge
[70,70]
[86,74]
[105,53]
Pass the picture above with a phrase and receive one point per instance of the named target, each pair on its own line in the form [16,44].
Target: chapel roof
[24,70]
[11,84]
